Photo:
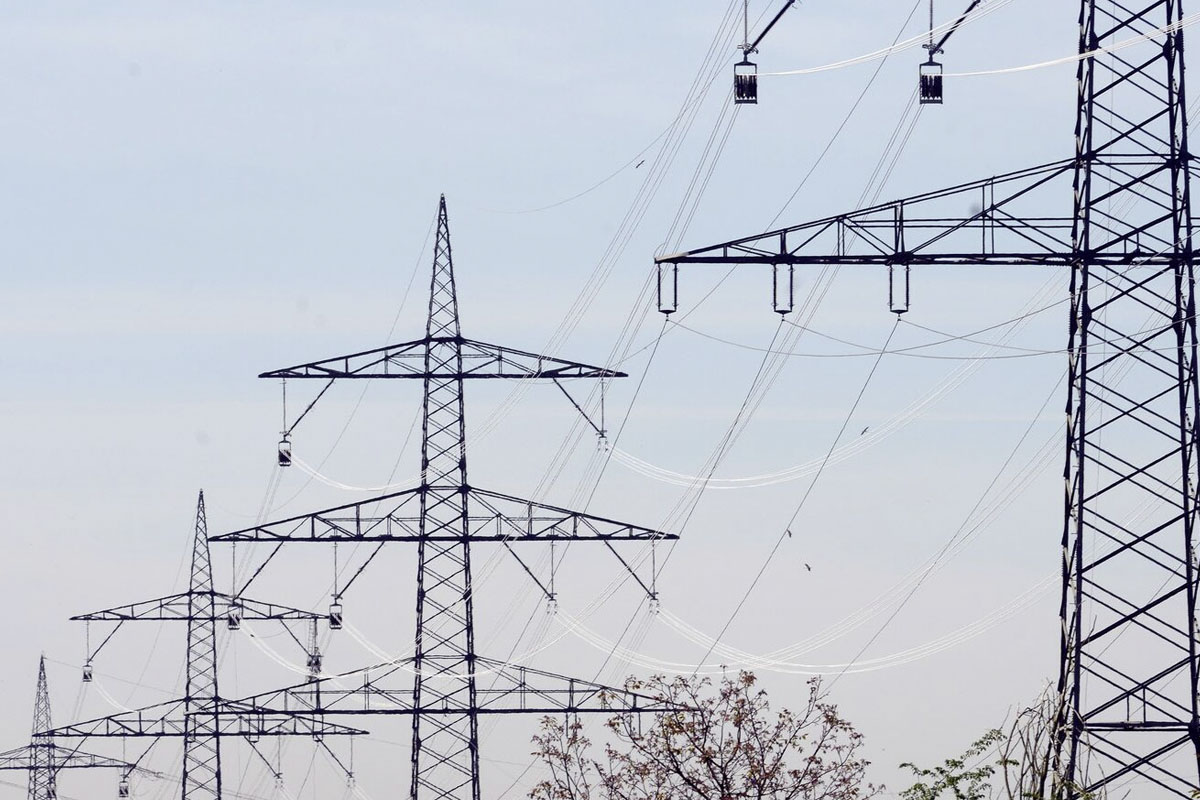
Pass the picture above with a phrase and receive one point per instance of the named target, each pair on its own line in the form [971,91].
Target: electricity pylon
[197,717]
[42,781]
[42,758]
[445,515]
[1128,676]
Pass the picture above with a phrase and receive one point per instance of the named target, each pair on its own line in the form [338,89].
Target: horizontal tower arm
[167,719]
[494,517]
[479,360]
[60,758]
[175,607]
[997,220]
[387,689]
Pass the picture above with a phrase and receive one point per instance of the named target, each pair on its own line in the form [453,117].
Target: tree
[964,776]
[1023,758]
[727,744]
[1026,751]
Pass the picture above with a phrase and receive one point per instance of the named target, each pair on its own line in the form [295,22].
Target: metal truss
[923,230]
[195,717]
[41,751]
[179,608]
[42,758]
[1007,227]
[201,745]
[1129,667]
[506,521]
[479,360]
[504,518]
[493,518]
[514,689]
[169,720]
[444,516]
[1129,658]
[27,758]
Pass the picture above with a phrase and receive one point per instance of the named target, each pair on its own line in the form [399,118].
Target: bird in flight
[807,567]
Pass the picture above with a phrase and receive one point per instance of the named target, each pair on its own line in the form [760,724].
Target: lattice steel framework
[444,516]
[199,718]
[42,782]
[447,750]
[1128,681]
[43,758]
[201,744]
[1129,674]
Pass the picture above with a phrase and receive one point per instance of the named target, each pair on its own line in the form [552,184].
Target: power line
[807,492]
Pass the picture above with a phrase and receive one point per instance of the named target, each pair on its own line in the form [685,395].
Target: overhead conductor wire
[955,543]
[809,308]
[807,492]
[704,79]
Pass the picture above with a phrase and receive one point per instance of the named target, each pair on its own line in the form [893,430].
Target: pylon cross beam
[387,689]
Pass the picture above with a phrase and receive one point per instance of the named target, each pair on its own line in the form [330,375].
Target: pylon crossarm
[997,220]
[514,519]
[494,517]
[401,522]
[176,608]
[60,758]
[261,610]
[484,360]
[479,360]
[168,719]
[513,689]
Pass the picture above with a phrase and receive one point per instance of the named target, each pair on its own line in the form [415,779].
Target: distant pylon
[201,726]
[41,749]
[42,758]
[201,743]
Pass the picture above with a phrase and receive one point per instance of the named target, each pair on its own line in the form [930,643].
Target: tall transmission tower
[201,744]
[42,758]
[444,516]
[42,783]
[198,717]
[1129,670]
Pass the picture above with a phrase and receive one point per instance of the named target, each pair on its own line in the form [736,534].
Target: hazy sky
[201,192]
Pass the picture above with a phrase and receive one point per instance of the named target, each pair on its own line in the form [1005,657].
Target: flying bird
[807,567]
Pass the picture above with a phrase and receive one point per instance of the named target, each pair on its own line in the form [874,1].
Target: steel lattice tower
[200,718]
[1129,676]
[201,742]
[41,749]
[1128,679]
[42,758]
[445,633]
[444,516]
